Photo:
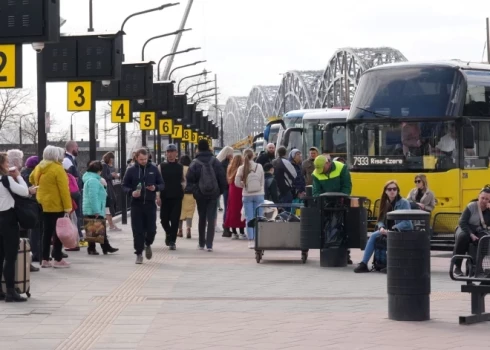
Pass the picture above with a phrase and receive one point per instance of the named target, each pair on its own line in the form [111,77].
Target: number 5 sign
[147,120]
[79,96]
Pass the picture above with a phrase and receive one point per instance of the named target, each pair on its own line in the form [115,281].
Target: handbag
[66,232]
[95,230]
[26,209]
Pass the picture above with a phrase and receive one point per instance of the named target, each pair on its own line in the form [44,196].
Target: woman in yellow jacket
[54,196]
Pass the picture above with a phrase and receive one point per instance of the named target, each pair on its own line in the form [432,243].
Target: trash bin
[334,206]
[408,263]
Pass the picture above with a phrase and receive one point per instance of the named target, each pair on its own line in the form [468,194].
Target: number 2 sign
[10,66]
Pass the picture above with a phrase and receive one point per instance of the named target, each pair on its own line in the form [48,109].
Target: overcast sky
[251,42]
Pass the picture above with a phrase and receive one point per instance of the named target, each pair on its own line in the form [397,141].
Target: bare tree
[15,105]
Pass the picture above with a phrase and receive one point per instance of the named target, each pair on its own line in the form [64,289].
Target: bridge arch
[234,120]
[344,69]
[260,105]
[296,91]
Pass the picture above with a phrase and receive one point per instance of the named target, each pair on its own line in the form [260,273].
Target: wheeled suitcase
[22,269]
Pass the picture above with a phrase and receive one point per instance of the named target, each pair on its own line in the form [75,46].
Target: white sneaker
[243,236]
[251,245]
[235,236]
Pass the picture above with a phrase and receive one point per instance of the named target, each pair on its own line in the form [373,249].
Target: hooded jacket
[94,194]
[53,193]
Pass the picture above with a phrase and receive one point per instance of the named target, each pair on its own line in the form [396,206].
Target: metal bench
[443,231]
[480,274]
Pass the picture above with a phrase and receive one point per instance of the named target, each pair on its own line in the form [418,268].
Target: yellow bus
[431,118]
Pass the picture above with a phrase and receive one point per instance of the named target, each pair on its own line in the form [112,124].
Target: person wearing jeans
[206,202]
[390,201]
[253,194]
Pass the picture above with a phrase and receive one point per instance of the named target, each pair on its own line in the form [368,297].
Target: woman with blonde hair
[188,202]
[234,215]
[250,177]
[54,196]
[225,156]
[421,197]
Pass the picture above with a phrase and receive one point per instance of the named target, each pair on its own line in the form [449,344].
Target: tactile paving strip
[89,331]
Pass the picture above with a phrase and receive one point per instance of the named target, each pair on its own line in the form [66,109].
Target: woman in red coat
[234,205]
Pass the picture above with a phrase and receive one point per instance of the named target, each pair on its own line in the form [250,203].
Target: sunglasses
[392,189]
[417,181]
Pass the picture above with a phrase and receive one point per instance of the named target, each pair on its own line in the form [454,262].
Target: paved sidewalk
[190,299]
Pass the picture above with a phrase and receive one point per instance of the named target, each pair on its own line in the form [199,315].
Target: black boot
[226,232]
[13,296]
[2,294]
[110,250]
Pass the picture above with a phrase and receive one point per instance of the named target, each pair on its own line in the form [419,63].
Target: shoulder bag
[26,208]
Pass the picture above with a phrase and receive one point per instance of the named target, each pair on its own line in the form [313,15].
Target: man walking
[170,199]
[142,181]
[206,179]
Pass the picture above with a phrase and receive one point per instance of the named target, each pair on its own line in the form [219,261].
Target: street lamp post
[71,124]
[204,72]
[197,92]
[202,98]
[158,37]
[122,133]
[198,84]
[184,66]
[173,54]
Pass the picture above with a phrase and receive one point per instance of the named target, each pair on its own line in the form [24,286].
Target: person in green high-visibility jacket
[330,176]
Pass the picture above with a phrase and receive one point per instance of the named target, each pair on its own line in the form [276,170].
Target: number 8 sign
[187,135]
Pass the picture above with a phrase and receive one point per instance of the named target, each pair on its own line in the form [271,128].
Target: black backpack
[26,209]
[208,183]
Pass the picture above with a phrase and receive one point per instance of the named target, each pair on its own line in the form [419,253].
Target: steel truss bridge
[332,87]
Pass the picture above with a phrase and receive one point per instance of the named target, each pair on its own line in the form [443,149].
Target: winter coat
[53,193]
[94,195]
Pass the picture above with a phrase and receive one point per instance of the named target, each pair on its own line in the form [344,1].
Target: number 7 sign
[177,132]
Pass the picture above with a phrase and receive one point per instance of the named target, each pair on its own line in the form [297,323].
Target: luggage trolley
[272,235]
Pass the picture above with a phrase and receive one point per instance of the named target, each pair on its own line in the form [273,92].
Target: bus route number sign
[373,161]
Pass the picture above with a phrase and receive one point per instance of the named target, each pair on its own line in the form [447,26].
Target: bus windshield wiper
[376,114]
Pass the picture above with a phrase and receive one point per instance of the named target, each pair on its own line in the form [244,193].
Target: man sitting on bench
[473,224]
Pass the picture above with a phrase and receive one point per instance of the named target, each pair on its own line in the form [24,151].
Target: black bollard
[408,263]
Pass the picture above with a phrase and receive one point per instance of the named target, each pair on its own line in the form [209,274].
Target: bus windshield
[408,92]
[477,103]
[313,136]
[293,122]
[407,146]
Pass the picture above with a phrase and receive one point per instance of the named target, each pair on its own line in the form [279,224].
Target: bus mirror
[468,137]
[266,133]
[327,144]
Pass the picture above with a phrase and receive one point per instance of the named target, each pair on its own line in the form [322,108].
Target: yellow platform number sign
[79,96]
[121,111]
[166,126]
[210,142]
[177,134]
[194,137]
[147,121]
[10,66]
[200,137]
[187,135]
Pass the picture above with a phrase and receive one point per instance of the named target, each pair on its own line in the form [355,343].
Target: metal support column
[41,107]
[124,207]
[92,139]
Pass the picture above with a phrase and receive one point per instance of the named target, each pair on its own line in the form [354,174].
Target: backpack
[380,248]
[208,183]
[253,181]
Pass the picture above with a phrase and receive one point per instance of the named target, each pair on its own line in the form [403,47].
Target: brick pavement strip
[189,299]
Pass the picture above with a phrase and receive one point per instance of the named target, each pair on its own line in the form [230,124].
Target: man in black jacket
[142,181]
[213,185]
[268,156]
[170,199]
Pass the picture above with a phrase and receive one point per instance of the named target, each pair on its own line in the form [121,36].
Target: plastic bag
[74,221]
[66,232]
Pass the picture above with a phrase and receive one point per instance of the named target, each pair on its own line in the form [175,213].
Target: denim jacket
[402,225]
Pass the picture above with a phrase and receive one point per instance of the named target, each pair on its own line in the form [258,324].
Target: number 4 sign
[121,111]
